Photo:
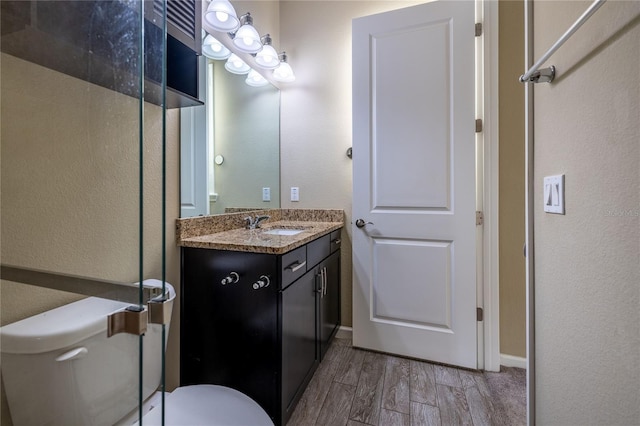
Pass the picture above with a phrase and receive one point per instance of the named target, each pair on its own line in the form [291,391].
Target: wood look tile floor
[354,387]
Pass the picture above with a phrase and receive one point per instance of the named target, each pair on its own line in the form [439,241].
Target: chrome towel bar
[546,75]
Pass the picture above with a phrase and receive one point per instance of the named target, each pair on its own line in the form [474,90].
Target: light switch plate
[554,194]
[295,193]
[266,194]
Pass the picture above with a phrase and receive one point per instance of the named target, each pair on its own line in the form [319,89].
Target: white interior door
[414,289]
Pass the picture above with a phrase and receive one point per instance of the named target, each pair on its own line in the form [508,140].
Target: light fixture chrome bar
[547,75]
[227,41]
[124,292]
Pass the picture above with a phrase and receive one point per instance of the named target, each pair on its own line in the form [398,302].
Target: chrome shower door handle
[360,223]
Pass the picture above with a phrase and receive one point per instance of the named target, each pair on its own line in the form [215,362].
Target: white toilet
[59,368]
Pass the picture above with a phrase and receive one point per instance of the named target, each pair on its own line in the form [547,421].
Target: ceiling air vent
[180,13]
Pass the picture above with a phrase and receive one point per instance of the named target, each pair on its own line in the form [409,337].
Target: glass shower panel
[82,201]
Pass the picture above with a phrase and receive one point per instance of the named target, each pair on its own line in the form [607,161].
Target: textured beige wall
[511,179]
[70,192]
[587,262]
[316,110]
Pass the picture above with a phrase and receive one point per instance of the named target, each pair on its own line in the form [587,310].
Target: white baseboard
[513,361]
[506,360]
[344,333]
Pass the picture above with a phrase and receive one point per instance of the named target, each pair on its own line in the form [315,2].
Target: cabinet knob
[232,278]
[263,282]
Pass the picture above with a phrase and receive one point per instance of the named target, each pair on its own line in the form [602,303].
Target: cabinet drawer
[317,250]
[294,265]
[335,240]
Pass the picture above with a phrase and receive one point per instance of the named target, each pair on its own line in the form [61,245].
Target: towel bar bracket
[545,75]
[534,75]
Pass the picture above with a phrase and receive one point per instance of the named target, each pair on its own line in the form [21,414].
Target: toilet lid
[201,405]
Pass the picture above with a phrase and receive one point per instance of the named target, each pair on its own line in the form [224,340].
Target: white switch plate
[554,194]
[295,193]
[266,194]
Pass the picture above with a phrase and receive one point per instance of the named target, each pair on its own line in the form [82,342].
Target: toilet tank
[59,367]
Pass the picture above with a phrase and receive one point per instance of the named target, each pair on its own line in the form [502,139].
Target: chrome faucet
[255,222]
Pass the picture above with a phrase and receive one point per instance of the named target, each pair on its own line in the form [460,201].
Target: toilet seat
[201,405]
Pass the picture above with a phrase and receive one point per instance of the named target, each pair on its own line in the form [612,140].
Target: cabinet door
[298,339]
[229,331]
[329,302]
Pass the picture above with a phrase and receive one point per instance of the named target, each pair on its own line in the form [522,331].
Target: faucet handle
[260,219]
[250,223]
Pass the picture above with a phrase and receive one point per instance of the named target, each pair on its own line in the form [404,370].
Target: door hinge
[479,125]
[479,29]
[479,218]
[480,314]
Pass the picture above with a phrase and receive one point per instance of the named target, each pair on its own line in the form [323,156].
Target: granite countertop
[227,231]
[257,241]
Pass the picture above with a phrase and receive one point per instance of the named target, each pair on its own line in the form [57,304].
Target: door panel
[421,147]
[414,181]
[420,276]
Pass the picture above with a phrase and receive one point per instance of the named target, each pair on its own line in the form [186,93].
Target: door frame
[487,13]
[488,199]
[529,205]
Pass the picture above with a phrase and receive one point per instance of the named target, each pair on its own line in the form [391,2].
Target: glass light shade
[236,65]
[255,79]
[222,16]
[212,48]
[268,57]
[284,73]
[247,39]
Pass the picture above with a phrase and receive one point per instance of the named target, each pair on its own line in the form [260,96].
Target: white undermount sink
[280,231]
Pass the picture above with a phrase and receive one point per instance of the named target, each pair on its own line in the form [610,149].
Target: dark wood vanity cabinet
[259,323]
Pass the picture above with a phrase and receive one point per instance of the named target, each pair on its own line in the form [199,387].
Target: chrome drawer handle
[296,266]
[336,241]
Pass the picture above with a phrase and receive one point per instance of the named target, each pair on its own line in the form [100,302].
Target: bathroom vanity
[259,309]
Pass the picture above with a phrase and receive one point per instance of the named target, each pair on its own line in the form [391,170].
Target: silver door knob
[360,223]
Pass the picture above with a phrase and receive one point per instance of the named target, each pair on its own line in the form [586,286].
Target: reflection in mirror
[242,164]
[246,132]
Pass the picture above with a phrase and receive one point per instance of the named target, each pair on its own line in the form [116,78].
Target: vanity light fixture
[222,16]
[255,79]
[212,48]
[284,73]
[236,65]
[267,58]
[227,37]
[247,39]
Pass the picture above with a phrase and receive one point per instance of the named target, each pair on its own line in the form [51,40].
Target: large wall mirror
[240,167]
